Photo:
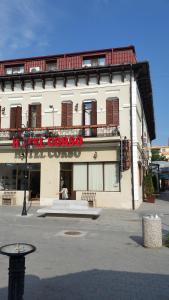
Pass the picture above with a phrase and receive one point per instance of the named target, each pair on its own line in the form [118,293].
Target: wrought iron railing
[85,131]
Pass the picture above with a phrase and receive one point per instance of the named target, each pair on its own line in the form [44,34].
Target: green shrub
[148,185]
[166,240]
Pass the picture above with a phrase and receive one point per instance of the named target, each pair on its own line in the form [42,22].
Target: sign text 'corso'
[39,142]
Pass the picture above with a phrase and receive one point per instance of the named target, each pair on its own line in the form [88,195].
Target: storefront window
[12,176]
[96,177]
[80,177]
[7,176]
[111,177]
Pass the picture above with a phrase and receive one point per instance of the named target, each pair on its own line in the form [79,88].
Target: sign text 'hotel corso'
[39,142]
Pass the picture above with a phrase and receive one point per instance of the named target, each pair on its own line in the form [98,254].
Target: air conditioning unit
[34,69]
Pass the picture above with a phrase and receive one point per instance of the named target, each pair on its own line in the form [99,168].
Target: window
[111,177]
[67,113]
[89,117]
[80,176]
[112,111]
[96,176]
[94,61]
[17,69]
[12,176]
[34,69]
[140,173]
[34,116]
[51,66]
[16,117]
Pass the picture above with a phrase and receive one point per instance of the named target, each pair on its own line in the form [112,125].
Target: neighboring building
[163,150]
[84,119]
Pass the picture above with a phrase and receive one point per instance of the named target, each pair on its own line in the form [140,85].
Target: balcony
[88,131]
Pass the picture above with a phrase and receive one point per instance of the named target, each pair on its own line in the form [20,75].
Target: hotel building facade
[84,119]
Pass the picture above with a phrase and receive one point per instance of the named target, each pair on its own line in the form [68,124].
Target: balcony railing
[86,131]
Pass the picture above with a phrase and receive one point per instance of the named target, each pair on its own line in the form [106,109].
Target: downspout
[142,116]
[131,135]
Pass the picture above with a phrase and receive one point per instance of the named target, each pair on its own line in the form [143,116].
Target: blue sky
[42,27]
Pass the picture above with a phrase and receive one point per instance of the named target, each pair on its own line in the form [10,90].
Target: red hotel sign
[39,142]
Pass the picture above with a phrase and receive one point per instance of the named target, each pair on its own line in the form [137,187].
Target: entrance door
[34,185]
[66,178]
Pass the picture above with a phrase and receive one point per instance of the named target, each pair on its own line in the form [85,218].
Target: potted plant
[148,188]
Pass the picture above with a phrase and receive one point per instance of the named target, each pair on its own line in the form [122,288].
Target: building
[163,150]
[82,119]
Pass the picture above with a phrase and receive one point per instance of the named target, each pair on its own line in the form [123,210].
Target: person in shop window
[64,192]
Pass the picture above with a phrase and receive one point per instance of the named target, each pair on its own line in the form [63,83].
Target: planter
[150,199]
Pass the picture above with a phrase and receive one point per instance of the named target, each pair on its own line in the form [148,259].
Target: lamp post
[53,110]
[25,146]
[24,211]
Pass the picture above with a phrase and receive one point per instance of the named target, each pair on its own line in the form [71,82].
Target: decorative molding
[126,105]
[112,91]
[89,93]
[36,97]
[15,98]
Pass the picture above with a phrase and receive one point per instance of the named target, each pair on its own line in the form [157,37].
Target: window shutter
[109,112]
[116,112]
[83,113]
[38,115]
[67,113]
[13,117]
[64,114]
[112,112]
[29,115]
[18,117]
[94,117]
[83,118]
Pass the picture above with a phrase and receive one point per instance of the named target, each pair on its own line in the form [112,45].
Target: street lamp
[53,110]
[25,146]
[24,211]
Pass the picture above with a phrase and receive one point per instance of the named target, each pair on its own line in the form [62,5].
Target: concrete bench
[70,207]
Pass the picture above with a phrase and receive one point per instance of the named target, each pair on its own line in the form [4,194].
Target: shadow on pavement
[96,284]
[137,239]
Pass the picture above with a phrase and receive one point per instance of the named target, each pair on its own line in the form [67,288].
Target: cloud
[20,24]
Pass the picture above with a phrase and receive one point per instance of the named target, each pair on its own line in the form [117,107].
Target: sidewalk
[106,261]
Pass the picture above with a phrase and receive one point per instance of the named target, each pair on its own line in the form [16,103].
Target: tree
[157,156]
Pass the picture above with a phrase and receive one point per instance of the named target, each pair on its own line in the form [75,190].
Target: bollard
[152,231]
[16,253]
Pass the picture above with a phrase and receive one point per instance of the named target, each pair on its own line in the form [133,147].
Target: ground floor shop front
[92,168]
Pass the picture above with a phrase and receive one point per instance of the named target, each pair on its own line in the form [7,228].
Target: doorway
[34,185]
[66,171]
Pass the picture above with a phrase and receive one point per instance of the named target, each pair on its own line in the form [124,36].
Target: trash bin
[152,231]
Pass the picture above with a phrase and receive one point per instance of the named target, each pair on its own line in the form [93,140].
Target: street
[97,259]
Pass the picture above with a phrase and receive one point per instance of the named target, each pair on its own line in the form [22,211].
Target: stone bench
[70,207]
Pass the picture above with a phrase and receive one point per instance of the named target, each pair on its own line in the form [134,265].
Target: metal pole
[16,278]
[53,117]
[24,211]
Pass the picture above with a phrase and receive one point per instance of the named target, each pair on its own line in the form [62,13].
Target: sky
[45,27]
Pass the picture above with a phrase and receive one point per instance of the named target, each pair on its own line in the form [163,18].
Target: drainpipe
[131,135]
[142,133]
